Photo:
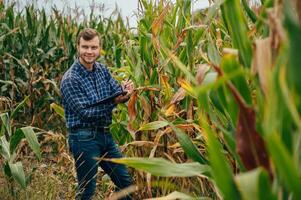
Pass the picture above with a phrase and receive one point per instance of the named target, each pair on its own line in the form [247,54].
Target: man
[89,94]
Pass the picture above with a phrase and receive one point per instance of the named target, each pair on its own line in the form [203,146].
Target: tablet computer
[109,98]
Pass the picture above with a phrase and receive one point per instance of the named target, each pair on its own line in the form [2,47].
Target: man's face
[88,51]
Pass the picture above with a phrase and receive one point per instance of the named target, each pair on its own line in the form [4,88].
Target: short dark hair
[87,34]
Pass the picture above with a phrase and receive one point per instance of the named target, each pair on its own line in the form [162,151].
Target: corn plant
[257,124]
[10,138]
[217,98]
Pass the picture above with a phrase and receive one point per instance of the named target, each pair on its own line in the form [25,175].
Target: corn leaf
[17,172]
[230,65]
[179,195]
[15,140]
[221,171]
[236,23]
[5,123]
[213,53]
[249,11]
[188,146]
[4,148]
[58,109]
[294,32]
[20,105]
[153,125]
[32,140]
[164,168]
[284,164]
[255,185]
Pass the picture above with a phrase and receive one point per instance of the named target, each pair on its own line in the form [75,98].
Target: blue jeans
[87,144]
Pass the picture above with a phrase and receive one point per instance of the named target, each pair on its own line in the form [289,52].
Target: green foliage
[153,125]
[221,170]
[285,165]
[255,185]
[237,26]
[9,145]
[196,83]
[189,148]
[158,166]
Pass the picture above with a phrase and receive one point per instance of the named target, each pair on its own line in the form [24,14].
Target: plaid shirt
[82,91]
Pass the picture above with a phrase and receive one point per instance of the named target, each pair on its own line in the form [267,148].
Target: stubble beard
[88,61]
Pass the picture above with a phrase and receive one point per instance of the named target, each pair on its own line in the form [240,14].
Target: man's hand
[128,87]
